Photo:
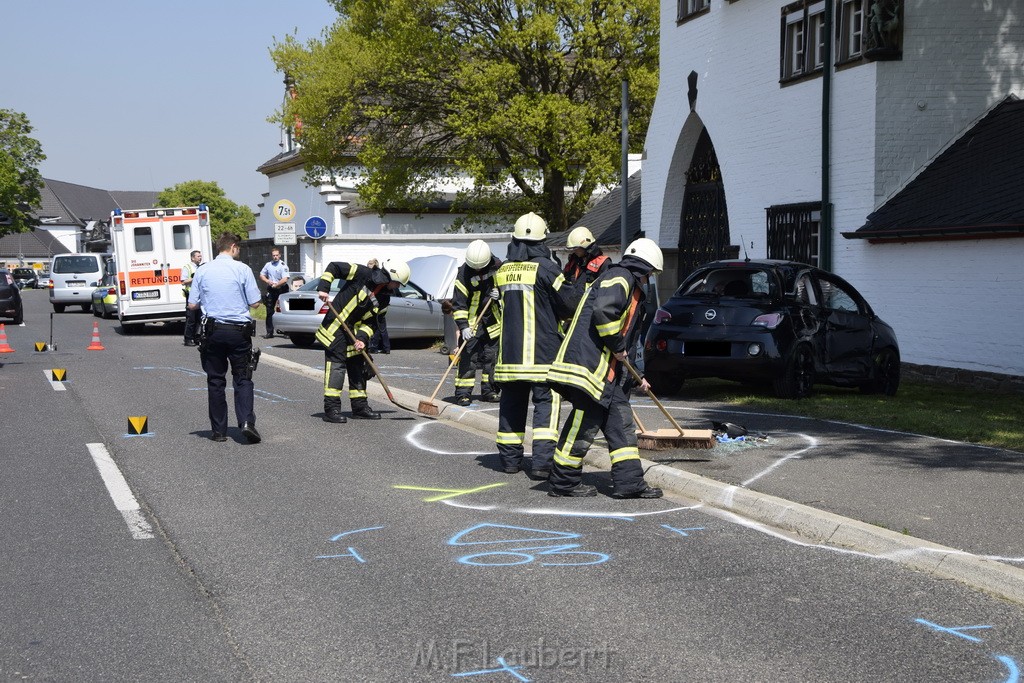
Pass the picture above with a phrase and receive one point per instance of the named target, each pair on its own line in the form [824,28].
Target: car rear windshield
[730,282]
[75,264]
[24,272]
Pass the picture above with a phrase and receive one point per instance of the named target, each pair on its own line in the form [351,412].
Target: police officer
[589,372]
[362,299]
[192,316]
[474,286]
[225,290]
[275,275]
[585,258]
[534,297]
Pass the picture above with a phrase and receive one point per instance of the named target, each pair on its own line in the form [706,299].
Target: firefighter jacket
[592,265]
[472,289]
[534,297]
[359,302]
[607,321]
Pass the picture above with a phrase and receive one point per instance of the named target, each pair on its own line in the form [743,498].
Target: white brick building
[756,87]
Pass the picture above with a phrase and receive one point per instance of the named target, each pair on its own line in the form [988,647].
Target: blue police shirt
[275,271]
[225,288]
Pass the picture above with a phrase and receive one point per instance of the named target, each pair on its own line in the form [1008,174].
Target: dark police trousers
[273,293]
[515,402]
[228,346]
[578,433]
[193,319]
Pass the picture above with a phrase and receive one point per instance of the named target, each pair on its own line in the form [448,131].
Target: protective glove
[467,334]
[493,293]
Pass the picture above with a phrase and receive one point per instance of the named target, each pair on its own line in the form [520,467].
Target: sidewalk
[944,508]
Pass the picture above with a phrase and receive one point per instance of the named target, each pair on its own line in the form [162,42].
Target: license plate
[147,294]
[76,283]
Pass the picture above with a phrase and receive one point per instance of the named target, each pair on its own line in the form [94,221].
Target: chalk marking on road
[187,371]
[351,553]
[122,496]
[955,630]
[626,516]
[1011,666]
[504,667]
[792,456]
[413,438]
[354,531]
[57,386]
[446,493]
[682,532]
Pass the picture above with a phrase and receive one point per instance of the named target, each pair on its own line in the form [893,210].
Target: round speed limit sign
[284,211]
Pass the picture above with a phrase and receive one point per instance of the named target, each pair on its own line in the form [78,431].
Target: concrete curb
[816,527]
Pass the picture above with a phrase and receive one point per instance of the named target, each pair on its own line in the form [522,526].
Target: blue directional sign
[316,227]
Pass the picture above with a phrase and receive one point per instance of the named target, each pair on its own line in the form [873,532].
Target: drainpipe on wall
[825,239]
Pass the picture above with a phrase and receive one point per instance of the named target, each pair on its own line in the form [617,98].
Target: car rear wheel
[86,307]
[306,341]
[797,378]
[665,386]
[58,308]
[19,317]
[885,374]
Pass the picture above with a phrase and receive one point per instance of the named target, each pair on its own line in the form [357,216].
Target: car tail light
[111,291]
[662,316]
[324,309]
[768,320]
[661,345]
[123,289]
[277,307]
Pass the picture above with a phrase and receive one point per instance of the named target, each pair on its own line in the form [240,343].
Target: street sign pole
[316,228]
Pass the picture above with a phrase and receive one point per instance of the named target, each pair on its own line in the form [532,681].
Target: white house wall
[888,120]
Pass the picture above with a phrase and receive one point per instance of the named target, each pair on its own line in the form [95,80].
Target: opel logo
[710,314]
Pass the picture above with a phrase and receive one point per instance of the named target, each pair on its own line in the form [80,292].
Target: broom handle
[455,358]
[636,375]
[369,360]
[637,419]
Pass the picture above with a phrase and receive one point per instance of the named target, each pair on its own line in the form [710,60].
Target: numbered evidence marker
[40,346]
[138,426]
[59,375]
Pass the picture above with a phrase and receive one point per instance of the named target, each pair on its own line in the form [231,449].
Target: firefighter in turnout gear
[474,286]
[364,295]
[534,297]
[588,371]
[585,258]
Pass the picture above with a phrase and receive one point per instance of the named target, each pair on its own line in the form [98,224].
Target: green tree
[20,180]
[522,97]
[225,215]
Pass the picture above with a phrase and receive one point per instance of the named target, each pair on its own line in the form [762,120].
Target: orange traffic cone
[95,345]
[4,346]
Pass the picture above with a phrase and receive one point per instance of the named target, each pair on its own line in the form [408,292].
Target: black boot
[332,410]
[365,412]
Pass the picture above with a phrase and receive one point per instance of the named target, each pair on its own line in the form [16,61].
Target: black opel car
[10,298]
[782,323]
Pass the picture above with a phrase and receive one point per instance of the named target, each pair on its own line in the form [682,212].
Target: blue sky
[141,95]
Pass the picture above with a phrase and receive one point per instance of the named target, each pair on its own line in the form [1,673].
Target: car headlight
[768,321]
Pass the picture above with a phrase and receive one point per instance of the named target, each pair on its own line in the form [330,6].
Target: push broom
[666,439]
[430,408]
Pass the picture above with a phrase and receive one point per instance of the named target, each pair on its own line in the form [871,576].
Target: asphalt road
[396,551]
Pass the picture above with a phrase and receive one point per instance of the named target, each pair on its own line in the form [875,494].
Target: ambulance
[151,247]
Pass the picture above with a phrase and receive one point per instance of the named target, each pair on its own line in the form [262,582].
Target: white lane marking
[57,386]
[122,496]
[795,455]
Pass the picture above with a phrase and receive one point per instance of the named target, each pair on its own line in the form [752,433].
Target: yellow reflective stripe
[521,373]
[611,282]
[510,438]
[578,376]
[494,331]
[626,453]
[545,434]
[529,327]
[559,281]
[562,456]
[459,382]
[461,287]
[460,315]
[352,270]
[615,326]
[357,393]
[328,391]
[327,277]
[332,393]
[612,328]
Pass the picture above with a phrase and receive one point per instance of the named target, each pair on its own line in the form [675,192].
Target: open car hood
[435,274]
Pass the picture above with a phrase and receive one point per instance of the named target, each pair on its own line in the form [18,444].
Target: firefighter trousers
[578,433]
[336,365]
[512,410]
[480,352]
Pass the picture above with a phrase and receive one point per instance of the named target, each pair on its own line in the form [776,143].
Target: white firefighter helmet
[647,250]
[478,254]
[530,227]
[397,270]
[580,237]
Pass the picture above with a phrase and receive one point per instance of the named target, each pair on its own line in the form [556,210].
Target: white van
[73,277]
[151,246]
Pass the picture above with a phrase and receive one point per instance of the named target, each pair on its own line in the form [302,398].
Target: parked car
[10,299]
[74,276]
[782,323]
[414,311]
[104,297]
[26,278]
[44,279]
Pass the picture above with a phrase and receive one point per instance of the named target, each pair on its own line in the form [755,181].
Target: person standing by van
[275,274]
[191,316]
[225,289]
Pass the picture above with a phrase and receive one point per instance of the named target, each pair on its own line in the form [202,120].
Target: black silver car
[10,299]
[782,323]
[26,278]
